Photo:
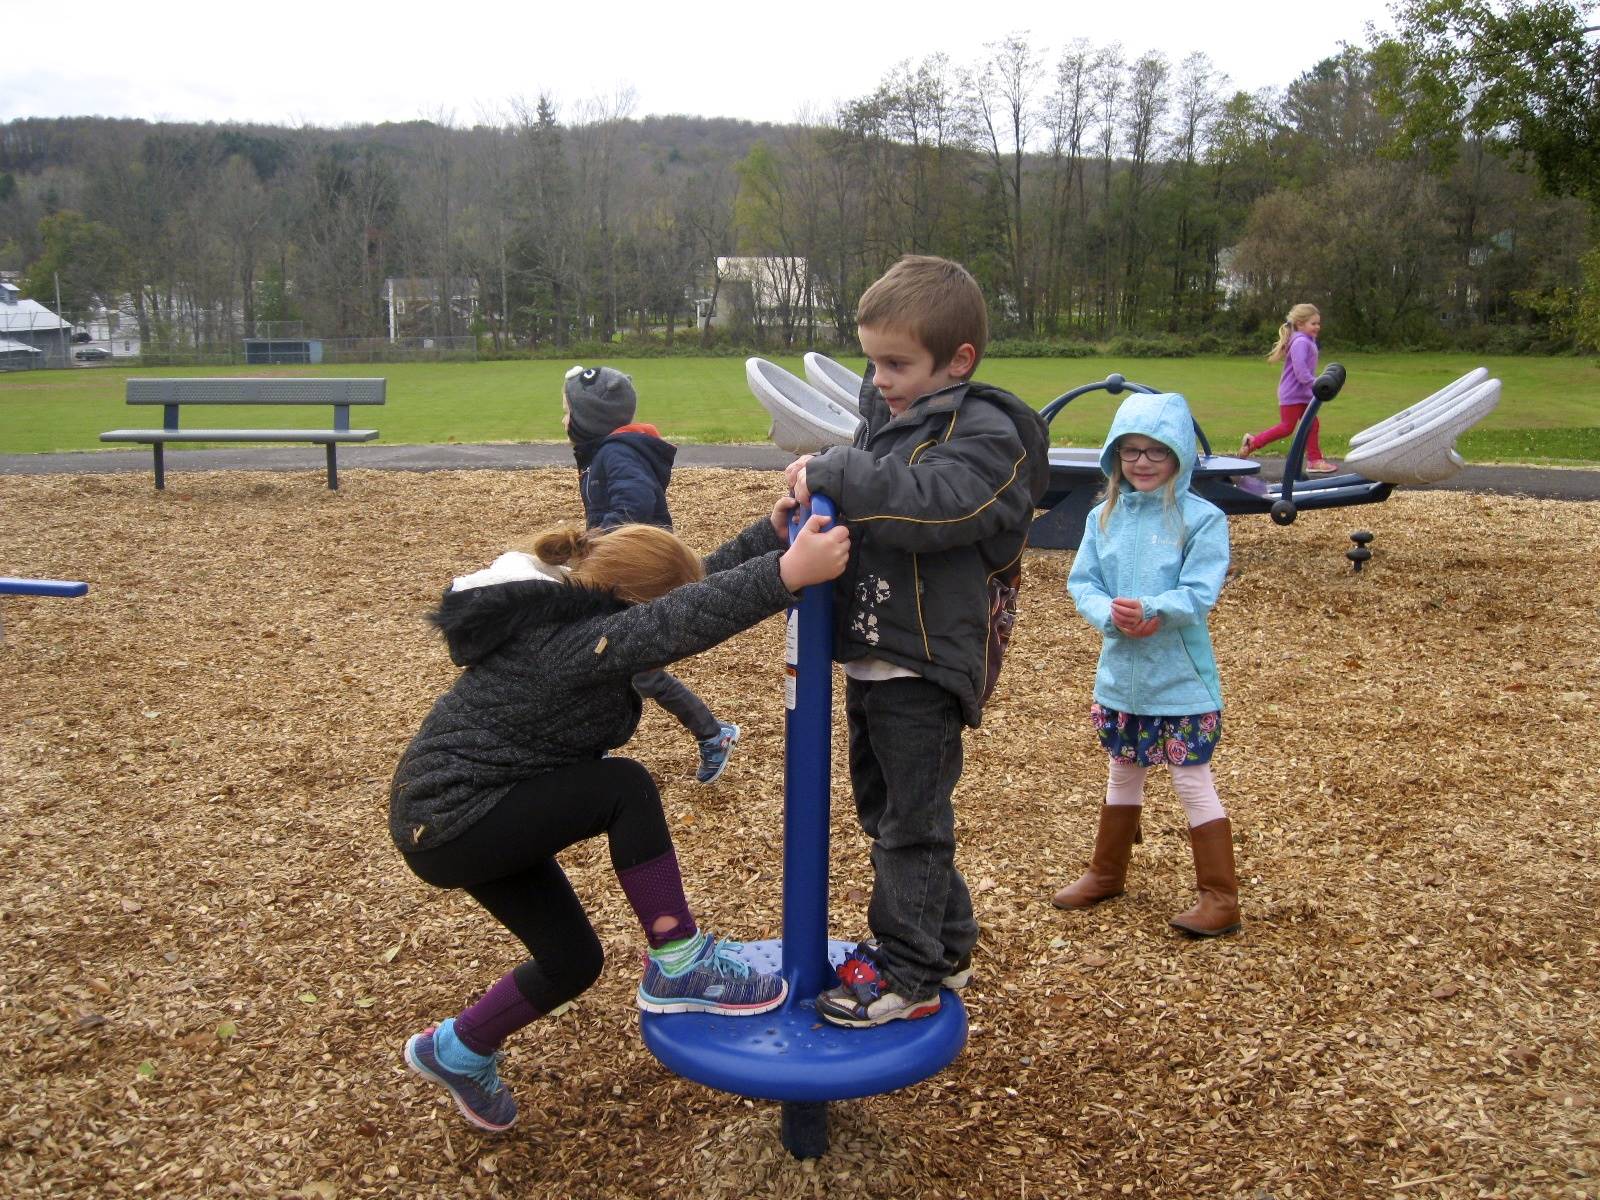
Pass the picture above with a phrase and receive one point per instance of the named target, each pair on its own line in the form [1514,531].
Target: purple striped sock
[502,1011]
[655,890]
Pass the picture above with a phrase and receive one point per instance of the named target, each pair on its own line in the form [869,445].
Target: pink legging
[1289,417]
[1196,788]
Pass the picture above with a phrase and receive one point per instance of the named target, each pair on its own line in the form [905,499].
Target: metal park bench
[173,394]
[10,585]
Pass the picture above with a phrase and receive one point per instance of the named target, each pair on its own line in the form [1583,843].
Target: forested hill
[33,145]
[1093,193]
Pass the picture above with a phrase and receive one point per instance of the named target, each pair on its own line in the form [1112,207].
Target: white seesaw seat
[803,419]
[1410,416]
[1423,450]
[835,381]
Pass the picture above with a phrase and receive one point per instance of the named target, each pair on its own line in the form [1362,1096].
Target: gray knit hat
[600,399]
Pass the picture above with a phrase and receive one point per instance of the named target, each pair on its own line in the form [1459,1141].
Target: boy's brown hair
[933,299]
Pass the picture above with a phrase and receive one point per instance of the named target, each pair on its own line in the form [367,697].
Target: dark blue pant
[905,760]
[674,695]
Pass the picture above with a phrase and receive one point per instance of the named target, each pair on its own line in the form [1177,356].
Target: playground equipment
[792,1055]
[11,585]
[1413,446]
[1359,554]
[835,381]
[804,420]
[1418,444]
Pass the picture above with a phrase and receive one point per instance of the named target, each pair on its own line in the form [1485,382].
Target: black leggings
[506,862]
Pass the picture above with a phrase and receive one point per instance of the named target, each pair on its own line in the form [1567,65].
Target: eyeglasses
[1156,454]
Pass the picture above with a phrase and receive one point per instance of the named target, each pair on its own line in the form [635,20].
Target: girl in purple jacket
[1297,350]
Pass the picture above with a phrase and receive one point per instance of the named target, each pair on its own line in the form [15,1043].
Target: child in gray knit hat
[624,468]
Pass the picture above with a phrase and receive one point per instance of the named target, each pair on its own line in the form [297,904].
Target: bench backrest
[237,390]
[341,393]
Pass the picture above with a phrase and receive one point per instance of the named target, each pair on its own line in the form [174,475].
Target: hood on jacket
[658,453]
[477,621]
[1033,431]
[1163,417]
[650,446]
[510,566]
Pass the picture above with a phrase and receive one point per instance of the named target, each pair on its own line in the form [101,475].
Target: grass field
[1549,411]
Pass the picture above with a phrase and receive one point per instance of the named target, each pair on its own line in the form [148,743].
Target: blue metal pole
[808,696]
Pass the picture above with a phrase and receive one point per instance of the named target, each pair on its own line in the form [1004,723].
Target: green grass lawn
[1549,409]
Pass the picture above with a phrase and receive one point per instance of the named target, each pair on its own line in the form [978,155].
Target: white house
[32,324]
[777,287]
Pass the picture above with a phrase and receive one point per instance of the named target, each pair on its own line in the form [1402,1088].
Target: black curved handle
[1323,388]
[1115,384]
[1326,385]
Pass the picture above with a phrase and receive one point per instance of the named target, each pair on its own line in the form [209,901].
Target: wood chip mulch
[212,954]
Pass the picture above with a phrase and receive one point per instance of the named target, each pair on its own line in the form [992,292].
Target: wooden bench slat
[242,390]
[239,435]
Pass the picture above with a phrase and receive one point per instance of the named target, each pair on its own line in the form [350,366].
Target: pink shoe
[1246,447]
[1321,466]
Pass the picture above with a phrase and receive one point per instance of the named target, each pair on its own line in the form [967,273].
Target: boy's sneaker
[960,974]
[714,753]
[480,1095]
[719,981]
[866,996]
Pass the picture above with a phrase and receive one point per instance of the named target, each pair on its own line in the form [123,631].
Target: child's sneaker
[718,981]
[480,1095]
[866,996]
[714,753]
[960,974]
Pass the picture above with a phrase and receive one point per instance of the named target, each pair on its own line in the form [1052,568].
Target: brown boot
[1217,910]
[1108,867]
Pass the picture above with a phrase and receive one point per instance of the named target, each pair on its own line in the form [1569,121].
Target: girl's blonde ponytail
[1298,315]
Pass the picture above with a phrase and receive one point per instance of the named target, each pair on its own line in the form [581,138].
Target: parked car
[91,354]
[83,335]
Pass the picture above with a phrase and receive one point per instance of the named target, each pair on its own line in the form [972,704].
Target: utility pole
[61,325]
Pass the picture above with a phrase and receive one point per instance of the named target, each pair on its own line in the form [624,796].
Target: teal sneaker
[718,981]
[481,1097]
[714,752]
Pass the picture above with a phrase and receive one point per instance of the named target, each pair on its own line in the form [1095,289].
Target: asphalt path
[1544,483]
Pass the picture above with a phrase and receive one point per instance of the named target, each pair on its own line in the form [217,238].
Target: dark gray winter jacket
[938,500]
[548,679]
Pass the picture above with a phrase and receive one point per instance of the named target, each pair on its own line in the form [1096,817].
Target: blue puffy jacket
[623,477]
[1173,559]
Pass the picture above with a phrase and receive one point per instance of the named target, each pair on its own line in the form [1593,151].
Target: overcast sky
[337,62]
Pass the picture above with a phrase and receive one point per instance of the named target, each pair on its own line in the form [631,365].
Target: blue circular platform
[792,1054]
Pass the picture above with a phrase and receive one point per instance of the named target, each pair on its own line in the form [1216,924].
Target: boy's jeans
[905,759]
[674,695]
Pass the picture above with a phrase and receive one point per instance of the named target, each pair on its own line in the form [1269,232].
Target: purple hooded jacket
[1299,369]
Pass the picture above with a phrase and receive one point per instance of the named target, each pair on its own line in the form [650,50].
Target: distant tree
[89,259]
[1525,74]
[1004,100]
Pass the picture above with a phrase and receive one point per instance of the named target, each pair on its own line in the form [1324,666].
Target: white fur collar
[509,567]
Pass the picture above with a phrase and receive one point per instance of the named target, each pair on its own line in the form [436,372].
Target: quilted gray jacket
[548,679]
[938,500]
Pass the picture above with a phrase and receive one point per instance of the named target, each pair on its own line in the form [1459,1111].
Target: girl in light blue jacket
[1148,571]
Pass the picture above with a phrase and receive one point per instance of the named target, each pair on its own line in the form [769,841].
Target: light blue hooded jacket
[1174,560]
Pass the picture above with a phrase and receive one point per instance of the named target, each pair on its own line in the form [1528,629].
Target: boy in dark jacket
[623,472]
[938,490]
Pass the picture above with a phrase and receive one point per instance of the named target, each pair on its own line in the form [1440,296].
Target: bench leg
[333,465]
[161,473]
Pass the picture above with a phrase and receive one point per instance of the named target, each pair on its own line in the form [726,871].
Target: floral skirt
[1151,741]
